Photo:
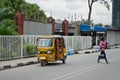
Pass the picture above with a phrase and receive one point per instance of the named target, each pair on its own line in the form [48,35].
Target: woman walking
[103,46]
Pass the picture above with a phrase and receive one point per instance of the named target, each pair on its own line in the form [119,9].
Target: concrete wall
[72,30]
[113,37]
[37,28]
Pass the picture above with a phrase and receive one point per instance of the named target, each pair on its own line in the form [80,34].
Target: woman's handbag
[101,56]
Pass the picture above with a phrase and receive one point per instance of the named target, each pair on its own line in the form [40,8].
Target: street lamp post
[118,19]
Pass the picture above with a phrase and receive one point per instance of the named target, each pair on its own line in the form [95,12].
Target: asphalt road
[77,67]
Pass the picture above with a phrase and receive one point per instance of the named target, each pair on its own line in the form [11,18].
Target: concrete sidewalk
[33,60]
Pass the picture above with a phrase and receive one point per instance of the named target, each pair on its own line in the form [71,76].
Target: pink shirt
[103,45]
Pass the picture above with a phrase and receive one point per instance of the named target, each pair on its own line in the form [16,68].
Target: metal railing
[15,46]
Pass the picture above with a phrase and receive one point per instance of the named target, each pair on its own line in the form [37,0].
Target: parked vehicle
[50,49]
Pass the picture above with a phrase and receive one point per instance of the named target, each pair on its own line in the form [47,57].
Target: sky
[68,9]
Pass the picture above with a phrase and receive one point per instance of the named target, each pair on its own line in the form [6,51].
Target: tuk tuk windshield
[45,42]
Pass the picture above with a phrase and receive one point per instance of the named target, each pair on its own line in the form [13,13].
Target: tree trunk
[89,14]
[90,3]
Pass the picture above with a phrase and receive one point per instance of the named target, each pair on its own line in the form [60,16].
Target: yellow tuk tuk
[50,49]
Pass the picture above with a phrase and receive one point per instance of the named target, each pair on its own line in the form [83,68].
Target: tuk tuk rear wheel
[64,61]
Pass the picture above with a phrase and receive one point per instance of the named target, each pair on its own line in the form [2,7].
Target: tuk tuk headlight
[38,52]
[49,52]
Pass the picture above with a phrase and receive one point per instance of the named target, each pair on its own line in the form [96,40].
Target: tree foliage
[85,21]
[98,24]
[6,13]
[31,11]
[8,9]
[14,4]
[8,27]
[31,49]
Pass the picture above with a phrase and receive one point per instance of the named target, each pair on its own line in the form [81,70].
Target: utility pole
[50,13]
[75,17]
[68,17]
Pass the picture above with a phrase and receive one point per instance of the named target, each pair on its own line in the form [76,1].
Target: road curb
[18,65]
[88,52]
[94,51]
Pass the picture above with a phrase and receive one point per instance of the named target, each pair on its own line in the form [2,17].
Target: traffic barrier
[20,64]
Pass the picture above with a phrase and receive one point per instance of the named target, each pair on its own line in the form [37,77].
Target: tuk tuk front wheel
[43,62]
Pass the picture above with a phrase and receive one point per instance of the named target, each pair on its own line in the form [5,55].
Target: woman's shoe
[98,61]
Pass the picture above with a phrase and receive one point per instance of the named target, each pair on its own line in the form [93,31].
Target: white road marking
[81,71]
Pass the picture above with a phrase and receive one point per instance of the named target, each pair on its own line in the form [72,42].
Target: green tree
[33,12]
[85,21]
[90,4]
[42,16]
[6,13]
[107,26]
[14,4]
[99,24]
[8,27]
